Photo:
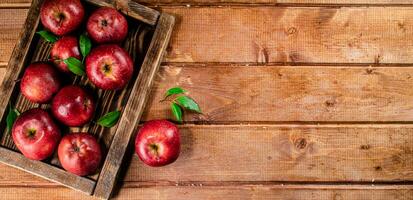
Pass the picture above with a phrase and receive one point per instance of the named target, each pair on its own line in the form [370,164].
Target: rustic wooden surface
[302,100]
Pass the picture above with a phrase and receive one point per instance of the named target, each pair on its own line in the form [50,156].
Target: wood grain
[261,94]
[134,107]
[22,3]
[277,34]
[46,171]
[230,193]
[10,27]
[287,153]
[296,35]
[346,153]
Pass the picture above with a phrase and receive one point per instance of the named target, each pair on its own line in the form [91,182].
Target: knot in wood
[330,103]
[365,147]
[300,143]
[291,30]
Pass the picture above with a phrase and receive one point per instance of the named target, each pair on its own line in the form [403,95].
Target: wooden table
[302,100]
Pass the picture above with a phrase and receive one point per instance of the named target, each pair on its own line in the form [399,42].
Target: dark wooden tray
[149,33]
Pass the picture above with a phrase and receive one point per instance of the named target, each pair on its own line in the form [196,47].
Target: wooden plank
[216,192]
[261,94]
[16,177]
[278,34]
[297,35]
[256,153]
[21,3]
[135,106]
[44,170]
[2,72]
[10,27]
[210,192]
[369,153]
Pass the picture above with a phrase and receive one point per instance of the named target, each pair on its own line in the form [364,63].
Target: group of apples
[108,67]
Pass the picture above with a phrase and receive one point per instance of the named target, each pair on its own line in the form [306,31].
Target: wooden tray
[149,34]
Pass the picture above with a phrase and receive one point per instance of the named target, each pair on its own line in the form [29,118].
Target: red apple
[35,134]
[158,143]
[65,47]
[79,153]
[107,25]
[61,16]
[109,67]
[73,106]
[40,82]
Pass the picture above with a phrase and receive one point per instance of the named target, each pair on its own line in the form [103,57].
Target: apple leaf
[176,111]
[48,36]
[174,90]
[110,119]
[11,117]
[188,103]
[85,46]
[75,66]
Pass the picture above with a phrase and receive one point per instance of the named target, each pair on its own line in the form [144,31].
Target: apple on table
[158,143]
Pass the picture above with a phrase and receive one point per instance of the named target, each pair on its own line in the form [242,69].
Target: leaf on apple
[176,111]
[188,103]
[75,66]
[85,45]
[174,90]
[48,36]
[11,117]
[110,119]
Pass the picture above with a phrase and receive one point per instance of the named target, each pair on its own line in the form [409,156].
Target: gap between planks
[275,184]
[190,3]
[408,185]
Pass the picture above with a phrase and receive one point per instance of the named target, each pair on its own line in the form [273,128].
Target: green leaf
[174,90]
[11,117]
[85,45]
[188,103]
[177,111]
[110,119]
[48,36]
[75,66]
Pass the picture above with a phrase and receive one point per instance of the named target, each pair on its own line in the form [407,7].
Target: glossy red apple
[35,134]
[107,25]
[65,47]
[73,106]
[40,82]
[79,153]
[109,67]
[158,143]
[62,16]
